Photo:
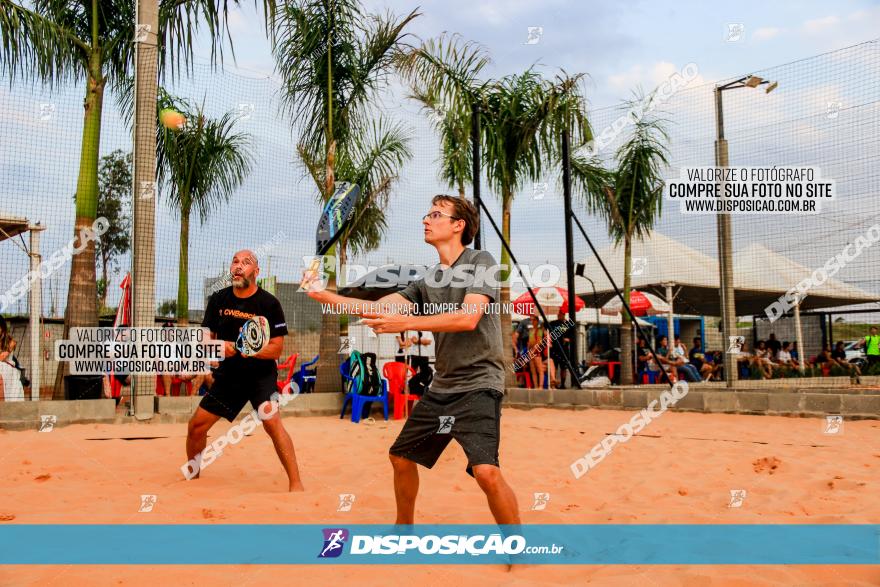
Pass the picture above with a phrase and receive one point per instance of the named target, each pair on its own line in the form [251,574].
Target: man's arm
[272,350]
[463,320]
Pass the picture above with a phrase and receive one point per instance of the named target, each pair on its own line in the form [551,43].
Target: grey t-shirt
[465,360]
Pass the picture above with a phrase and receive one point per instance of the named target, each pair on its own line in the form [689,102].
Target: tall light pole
[725,236]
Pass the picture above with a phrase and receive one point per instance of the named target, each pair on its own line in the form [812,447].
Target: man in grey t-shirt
[458,303]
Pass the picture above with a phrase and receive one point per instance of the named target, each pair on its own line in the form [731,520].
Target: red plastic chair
[115,387]
[176,382]
[526,377]
[396,374]
[289,364]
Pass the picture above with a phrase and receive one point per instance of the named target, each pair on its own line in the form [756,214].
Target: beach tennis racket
[254,335]
[337,214]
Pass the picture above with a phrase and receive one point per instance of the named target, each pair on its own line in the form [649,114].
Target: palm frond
[449,67]
[374,163]
[202,165]
[44,41]
[515,110]
[315,39]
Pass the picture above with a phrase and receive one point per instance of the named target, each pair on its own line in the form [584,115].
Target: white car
[854,353]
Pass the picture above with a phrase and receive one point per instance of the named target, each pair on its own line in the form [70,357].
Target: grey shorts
[472,418]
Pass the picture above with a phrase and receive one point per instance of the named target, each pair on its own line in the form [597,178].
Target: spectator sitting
[773,345]
[699,360]
[824,357]
[644,361]
[795,356]
[680,358]
[663,356]
[716,360]
[744,358]
[762,360]
[593,355]
[670,363]
[838,355]
[784,358]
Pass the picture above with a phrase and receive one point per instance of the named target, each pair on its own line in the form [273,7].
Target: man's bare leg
[502,500]
[284,449]
[406,488]
[197,433]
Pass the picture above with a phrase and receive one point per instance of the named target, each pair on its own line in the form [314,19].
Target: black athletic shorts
[229,394]
[472,418]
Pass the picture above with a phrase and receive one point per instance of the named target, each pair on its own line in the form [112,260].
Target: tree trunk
[183,269]
[328,378]
[626,327]
[104,263]
[506,324]
[82,292]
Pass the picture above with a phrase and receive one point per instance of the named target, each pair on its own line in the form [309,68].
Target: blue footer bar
[602,544]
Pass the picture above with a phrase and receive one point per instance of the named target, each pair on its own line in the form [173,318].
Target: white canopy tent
[760,277]
[10,227]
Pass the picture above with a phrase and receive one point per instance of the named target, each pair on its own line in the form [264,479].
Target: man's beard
[245,282]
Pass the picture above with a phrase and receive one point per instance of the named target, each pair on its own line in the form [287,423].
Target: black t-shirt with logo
[225,315]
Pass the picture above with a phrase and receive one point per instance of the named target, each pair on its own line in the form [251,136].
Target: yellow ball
[172,119]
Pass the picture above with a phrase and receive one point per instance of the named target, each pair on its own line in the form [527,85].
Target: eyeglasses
[436,214]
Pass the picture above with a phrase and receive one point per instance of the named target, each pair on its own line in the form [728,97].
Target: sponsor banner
[555,544]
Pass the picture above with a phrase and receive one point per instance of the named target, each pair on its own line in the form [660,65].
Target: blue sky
[619,44]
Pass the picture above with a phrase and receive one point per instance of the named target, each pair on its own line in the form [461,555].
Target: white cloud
[637,75]
[817,25]
[766,33]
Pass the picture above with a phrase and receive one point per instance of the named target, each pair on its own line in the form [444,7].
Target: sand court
[680,469]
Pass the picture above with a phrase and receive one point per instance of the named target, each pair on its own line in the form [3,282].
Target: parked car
[855,354]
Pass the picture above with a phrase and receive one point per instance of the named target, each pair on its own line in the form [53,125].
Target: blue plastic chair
[651,376]
[357,400]
[304,380]
[355,385]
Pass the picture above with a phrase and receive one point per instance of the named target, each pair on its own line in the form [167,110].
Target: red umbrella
[123,311]
[123,319]
[554,297]
[640,303]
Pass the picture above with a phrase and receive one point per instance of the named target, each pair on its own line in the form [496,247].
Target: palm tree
[334,59]
[522,118]
[58,42]
[201,166]
[629,197]
[443,75]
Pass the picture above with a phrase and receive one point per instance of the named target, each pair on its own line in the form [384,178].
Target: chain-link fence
[824,114]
